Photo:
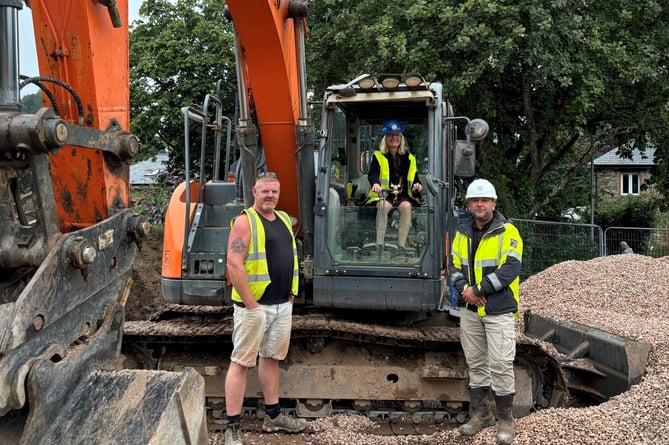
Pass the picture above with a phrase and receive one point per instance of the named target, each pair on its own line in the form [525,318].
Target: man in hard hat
[484,267]
[394,169]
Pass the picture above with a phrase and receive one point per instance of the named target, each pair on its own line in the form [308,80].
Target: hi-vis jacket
[495,269]
[384,175]
[255,262]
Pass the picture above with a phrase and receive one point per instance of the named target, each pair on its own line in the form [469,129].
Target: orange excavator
[69,241]
[374,330]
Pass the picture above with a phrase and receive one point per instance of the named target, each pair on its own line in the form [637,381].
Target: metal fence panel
[546,243]
[652,242]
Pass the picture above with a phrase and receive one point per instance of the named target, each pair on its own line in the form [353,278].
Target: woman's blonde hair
[383,147]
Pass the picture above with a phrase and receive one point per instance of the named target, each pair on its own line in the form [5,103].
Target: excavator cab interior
[352,223]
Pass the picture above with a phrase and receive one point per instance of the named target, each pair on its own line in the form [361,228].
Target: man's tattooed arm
[238,245]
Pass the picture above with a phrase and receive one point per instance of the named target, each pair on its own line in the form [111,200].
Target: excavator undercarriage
[402,373]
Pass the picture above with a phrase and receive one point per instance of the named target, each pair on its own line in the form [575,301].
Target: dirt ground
[145,295]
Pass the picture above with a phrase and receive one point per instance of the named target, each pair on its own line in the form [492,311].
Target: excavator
[374,332]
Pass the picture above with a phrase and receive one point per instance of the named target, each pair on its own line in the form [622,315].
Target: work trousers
[489,344]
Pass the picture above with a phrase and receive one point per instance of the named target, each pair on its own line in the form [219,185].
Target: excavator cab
[354,224]
[356,270]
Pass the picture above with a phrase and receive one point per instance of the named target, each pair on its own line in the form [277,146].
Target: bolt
[61,132]
[81,253]
[38,322]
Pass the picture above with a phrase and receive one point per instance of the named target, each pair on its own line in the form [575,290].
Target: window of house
[629,184]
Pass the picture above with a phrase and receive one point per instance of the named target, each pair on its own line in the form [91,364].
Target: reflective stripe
[456,275]
[256,256]
[492,262]
[384,175]
[495,281]
[253,244]
[254,278]
[513,254]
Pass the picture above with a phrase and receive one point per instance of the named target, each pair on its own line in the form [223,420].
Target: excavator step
[596,364]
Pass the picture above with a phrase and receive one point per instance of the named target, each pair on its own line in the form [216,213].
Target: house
[615,176]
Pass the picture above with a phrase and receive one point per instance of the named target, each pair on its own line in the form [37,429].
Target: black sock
[273,410]
[234,420]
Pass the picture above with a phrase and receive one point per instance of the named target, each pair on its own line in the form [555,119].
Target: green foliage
[627,211]
[31,103]
[178,51]
[560,82]
[616,215]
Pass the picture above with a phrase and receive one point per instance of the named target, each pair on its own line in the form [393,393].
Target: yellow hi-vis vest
[496,247]
[384,175]
[255,262]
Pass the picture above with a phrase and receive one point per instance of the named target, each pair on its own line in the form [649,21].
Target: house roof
[144,172]
[612,159]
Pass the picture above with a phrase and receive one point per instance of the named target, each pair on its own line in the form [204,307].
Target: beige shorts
[263,331]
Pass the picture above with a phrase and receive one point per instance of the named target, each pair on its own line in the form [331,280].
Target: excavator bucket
[108,404]
[596,364]
[61,380]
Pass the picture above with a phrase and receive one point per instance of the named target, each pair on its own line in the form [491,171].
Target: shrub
[152,200]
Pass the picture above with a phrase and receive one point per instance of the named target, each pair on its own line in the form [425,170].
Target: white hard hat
[481,188]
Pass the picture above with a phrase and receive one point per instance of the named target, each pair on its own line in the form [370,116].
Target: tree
[31,103]
[560,81]
[178,52]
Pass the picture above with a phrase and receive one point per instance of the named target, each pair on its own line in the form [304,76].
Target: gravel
[624,294]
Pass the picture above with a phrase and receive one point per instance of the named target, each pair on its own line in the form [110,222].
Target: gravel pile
[624,294]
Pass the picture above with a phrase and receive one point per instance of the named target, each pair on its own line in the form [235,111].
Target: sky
[27,52]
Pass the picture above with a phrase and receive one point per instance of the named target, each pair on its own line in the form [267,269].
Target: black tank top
[279,249]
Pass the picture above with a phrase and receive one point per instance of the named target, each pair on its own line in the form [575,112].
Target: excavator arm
[83,56]
[272,88]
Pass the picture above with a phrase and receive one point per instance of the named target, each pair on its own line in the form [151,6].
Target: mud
[145,296]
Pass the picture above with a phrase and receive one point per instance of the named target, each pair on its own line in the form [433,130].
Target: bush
[627,211]
[151,201]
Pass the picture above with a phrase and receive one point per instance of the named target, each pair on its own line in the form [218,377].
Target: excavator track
[397,373]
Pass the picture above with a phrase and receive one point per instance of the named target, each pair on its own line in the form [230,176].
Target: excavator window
[352,225]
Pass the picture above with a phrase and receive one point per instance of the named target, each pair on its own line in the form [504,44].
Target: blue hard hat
[392,126]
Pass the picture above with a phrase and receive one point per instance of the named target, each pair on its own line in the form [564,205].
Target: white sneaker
[233,435]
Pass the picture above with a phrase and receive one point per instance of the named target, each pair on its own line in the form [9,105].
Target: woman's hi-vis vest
[255,262]
[494,249]
[384,175]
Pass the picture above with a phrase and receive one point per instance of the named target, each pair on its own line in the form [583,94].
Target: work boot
[233,435]
[479,412]
[283,422]
[506,429]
